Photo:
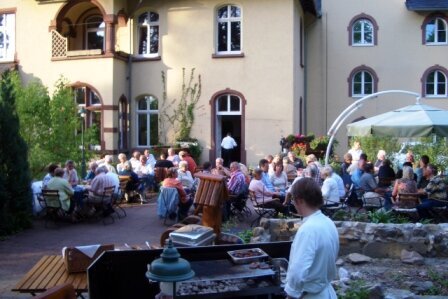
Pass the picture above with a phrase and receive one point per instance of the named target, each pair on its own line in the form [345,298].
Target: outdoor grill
[121,274]
[223,278]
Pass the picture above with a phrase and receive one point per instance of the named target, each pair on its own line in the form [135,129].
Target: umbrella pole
[351,109]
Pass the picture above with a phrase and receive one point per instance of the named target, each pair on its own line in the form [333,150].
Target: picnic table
[49,272]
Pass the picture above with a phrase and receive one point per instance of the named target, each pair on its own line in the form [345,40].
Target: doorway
[229,124]
[228,110]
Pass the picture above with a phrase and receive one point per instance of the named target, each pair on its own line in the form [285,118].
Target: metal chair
[238,207]
[371,202]
[104,202]
[53,207]
[259,209]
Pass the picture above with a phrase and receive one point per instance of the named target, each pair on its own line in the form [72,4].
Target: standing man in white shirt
[312,259]
[228,144]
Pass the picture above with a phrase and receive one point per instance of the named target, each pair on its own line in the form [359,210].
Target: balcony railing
[59,45]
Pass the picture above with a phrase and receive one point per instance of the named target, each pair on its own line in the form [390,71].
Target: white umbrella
[411,121]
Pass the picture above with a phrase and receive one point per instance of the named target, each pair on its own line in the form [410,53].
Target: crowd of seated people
[411,178]
[274,175]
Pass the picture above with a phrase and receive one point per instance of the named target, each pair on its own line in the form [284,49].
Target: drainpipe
[129,78]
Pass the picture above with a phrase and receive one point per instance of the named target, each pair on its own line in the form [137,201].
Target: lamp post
[82,113]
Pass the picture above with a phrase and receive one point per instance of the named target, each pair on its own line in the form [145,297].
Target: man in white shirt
[228,144]
[312,260]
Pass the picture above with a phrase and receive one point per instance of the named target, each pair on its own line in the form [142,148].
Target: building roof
[427,5]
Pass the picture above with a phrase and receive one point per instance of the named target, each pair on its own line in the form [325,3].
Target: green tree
[50,126]
[372,144]
[15,180]
[33,106]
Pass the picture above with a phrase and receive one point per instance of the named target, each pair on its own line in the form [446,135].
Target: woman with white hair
[122,165]
[404,185]
[330,191]
[184,176]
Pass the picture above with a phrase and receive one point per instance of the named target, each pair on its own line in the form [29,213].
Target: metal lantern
[170,267]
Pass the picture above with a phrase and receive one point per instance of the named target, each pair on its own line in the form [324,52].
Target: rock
[411,257]
[339,262]
[388,233]
[376,249]
[375,292]
[356,275]
[421,286]
[398,294]
[356,258]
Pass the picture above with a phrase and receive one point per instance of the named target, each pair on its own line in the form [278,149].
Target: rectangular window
[7,36]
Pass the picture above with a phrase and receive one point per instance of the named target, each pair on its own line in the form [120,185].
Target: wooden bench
[49,272]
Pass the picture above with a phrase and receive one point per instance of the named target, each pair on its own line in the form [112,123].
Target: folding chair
[259,209]
[53,208]
[371,202]
[104,202]
[167,203]
[238,206]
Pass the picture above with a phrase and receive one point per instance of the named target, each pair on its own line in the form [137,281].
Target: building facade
[358,47]
[249,55]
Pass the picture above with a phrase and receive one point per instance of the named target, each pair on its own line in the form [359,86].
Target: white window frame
[148,112]
[229,20]
[8,29]
[436,31]
[363,84]
[435,84]
[100,28]
[228,112]
[148,37]
[363,42]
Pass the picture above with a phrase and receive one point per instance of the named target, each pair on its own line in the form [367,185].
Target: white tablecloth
[37,189]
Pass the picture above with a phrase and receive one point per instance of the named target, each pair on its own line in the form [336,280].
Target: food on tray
[247,253]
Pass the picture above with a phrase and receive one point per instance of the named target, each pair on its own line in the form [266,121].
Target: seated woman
[121,166]
[185,201]
[404,185]
[263,196]
[385,172]
[70,173]
[133,183]
[330,190]
[279,179]
[91,173]
[373,193]
[185,177]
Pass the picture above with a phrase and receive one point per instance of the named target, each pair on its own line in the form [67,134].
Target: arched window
[86,97]
[435,82]
[435,31]
[228,105]
[95,33]
[229,29]
[362,81]
[363,31]
[148,34]
[147,121]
